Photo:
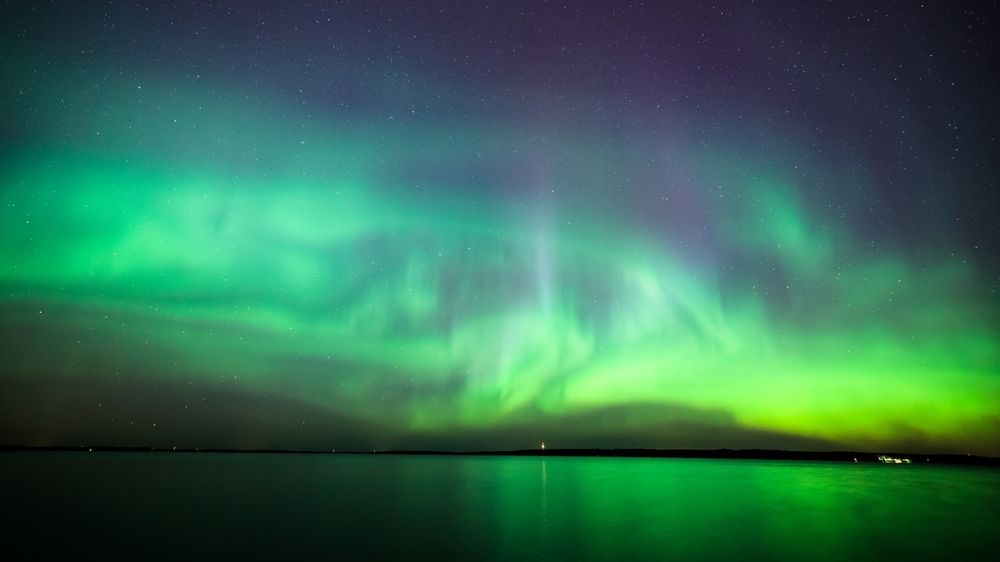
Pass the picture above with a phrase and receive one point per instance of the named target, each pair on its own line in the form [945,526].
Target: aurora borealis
[456,226]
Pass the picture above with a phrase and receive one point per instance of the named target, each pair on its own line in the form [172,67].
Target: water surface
[175,506]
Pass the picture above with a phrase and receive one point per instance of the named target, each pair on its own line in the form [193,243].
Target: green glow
[324,279]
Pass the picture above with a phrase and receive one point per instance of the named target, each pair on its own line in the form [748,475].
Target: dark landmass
[749,454]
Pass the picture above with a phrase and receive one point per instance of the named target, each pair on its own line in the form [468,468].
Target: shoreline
[728,454]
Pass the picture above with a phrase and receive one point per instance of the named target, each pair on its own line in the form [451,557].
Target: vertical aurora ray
[456,281]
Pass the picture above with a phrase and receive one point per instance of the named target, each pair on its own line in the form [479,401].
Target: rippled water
[175,506]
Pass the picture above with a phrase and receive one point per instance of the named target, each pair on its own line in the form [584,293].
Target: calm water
[177,506]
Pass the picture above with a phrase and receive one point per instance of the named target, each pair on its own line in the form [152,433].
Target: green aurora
[166,249]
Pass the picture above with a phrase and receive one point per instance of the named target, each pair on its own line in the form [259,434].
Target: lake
[219,505]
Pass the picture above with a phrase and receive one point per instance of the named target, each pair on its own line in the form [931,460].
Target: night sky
[468,225]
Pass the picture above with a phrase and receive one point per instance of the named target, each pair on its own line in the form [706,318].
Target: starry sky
[483,225]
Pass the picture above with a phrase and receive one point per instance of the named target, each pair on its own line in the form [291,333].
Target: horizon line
[620,452]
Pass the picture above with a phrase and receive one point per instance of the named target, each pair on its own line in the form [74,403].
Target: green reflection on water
[498,507]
